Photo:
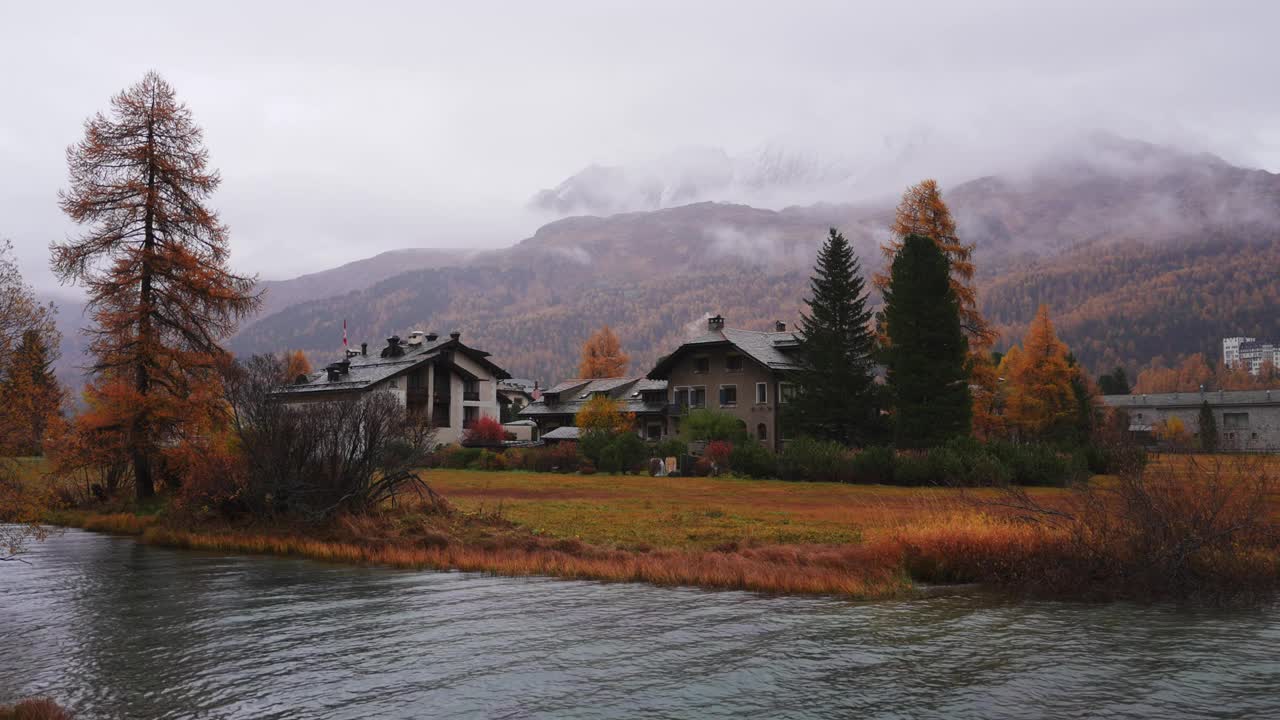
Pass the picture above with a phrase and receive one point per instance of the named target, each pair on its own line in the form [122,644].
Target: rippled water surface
[121,630]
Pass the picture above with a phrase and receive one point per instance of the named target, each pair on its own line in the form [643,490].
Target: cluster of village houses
[744,373]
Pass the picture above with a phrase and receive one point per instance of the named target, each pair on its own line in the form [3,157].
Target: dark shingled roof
[573,394]
[767,348]
[367,371]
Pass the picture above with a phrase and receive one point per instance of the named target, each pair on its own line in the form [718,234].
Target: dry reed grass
[1160,537]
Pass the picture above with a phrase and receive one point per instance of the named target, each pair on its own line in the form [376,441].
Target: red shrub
[485,431]
[718,452]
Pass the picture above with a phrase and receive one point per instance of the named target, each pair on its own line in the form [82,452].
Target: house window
[470,414]
[1235,421]
[702,365]
[762,432]
[728,395]
[654,431]
[733,363]
[786,392]
[698,397]
[470,390]
[762,393]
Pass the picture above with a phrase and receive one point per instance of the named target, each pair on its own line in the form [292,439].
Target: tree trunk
[141,422]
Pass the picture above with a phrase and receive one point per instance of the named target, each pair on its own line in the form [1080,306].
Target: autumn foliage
[602,356]
[605,414]
[484,431]
[1194,374]
[153,259]
[1040,400]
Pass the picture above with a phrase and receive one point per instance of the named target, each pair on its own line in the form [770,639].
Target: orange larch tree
[1040,399]
[154,263]
[296,364]
[602,356]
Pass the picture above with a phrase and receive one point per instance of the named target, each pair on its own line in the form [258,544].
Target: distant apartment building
[1249,353]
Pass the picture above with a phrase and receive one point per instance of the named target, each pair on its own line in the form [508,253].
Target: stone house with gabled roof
[740,372]
[453,384]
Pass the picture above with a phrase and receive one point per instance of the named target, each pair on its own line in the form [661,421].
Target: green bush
[753,459]
[707,425]
[912,468]
[613,452]
[1036,464]
[872,465]
[670,447]
[458,458]
[808,459]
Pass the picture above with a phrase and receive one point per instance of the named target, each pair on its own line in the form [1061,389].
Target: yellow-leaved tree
[1040,400]
[602,356]
[296,364]
[602,412]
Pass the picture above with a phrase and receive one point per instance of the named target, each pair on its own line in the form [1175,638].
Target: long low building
[1248,420]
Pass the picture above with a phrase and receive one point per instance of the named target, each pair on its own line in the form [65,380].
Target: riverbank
[860,541]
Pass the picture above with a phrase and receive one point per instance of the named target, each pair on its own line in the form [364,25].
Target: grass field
[865,541]
[696,513]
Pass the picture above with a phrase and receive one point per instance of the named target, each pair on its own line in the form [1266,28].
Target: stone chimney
[779,326]
[455,334]
[364,349]
[715,323]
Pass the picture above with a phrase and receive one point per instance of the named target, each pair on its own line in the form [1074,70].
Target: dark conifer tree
[835,391]
[1208,428]
[1114,383]
[927,378]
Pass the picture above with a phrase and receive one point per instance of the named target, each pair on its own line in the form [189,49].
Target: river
[115,629]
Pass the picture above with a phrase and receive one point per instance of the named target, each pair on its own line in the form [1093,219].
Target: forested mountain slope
[1139,250]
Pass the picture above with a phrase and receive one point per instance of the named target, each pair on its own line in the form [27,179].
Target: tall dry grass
[1205,530]
[856,571]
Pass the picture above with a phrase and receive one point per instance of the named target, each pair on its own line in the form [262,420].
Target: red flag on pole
[344,333]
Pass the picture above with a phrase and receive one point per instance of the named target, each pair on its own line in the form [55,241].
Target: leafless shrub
[1188,528]
[318,459]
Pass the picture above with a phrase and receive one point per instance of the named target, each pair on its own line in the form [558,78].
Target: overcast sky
[344,129]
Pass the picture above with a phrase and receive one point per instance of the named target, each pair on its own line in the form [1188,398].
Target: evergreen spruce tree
[835,390]
[927,352]
[1208,428]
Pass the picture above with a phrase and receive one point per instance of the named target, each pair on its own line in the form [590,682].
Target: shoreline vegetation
[1193,529]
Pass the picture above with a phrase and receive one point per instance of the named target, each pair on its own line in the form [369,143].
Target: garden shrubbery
[961,462]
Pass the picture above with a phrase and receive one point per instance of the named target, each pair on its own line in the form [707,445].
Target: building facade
[452,384]
[740,372]
[1250,353]
[1248,420]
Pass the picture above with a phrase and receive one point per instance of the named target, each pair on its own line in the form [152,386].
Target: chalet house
[740,372]
[453,384]
[647,399]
